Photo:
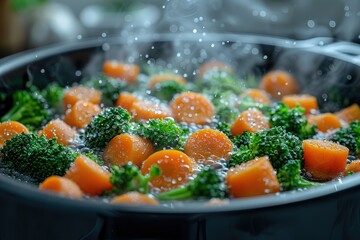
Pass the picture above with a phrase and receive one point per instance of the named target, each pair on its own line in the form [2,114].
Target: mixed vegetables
[158,138]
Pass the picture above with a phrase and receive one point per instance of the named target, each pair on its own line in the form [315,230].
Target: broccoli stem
[176,194]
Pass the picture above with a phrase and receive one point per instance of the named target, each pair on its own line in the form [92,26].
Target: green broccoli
[53,94]
[166,90]
[206,185]
[29,108]
[106,125]
[349,137]
[163,133]
[129,178]
[224,127]
[91,155]
[220,81]
[247,102]
[289,176]
[278,144]
[292,120]
[36,156]
[224,103]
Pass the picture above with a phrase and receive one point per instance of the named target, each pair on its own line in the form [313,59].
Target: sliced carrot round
[324,122]
[191,107]
[350,113]
[59,129]
[126,101]
[176,168]
[61,186]
[165,77]
[126,148]
[76,93]
[145,110]
[252,178]
[308,102]
[279,83]
[208,144]
[134,198]
[215,66]
[251,120]
[324,160]
[353,166]
[81,113]
[257,95]
[10,129]
[123,71]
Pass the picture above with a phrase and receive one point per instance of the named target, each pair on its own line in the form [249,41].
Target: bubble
[103,35]
[78,73]
[79,37]
[42,70]
[194,30]
[311,23]
[174,28]
[332,24]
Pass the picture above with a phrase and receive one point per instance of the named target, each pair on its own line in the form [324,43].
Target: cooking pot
[328,69]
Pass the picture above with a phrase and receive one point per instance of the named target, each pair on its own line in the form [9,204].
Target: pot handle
[344,50]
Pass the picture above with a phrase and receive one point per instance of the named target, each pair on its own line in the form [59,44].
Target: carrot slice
[308,102]
[252,178]
[144,110]
[123,71]
[76,93]
[251,120]
[165,77]
[91,177]
[208,144]
[215,66]
[191,107]
[353,166]
[126,101]
[81,113]
[324,122]
[126,148]
[257,95]
[350,113]
[279,83]
[324,160]
[10,129]
[61,186]
[59,129]
[134,198]
[176,168]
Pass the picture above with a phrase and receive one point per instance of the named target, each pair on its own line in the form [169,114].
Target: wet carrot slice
[324,122]
[353,166]
[349,114]
[144,110]
[59,129]
[252,178]
[279,83]
[61,186]
[324,160]
[123,71]
[74,94]
[165,77]
[257,95]
[10,129]
[308,102]
[81,113]
[134,198]
[176,167]
[191,107]
[251,120]
[126,101]
[208,144]
[215,66]
[125,148]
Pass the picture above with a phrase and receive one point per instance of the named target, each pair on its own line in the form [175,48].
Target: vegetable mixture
[135,138]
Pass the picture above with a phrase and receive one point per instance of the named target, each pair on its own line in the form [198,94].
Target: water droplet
[332,24]
[79,37]
[194,30]
[311,23]
[78,73]
[42,70]
[103,35]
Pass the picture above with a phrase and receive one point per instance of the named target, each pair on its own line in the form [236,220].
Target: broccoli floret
[242,140]
[166,90]
[349,137]
[206,185]
[53,94]
[91,155]
[221,81]
[247,102]
[292,119]
[224,128]
[163,133]
[278,144]
[289,177]
[29,108]
[106,125]
[224,103]
[36,156]
[129,178]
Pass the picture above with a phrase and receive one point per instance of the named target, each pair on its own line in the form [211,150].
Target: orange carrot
[257,95]
[76,93]
[251,120]
[353,166]
[123,71]
[308,102]
[134,198]
[252,178]
[165,77]
[145,110]
[126,148]
[213,66]
[324,122]
[208,144]
[62,186]
[279,83]
[81,113]
[10,129]
[176,168]
[191,107]
[324,160]
[126,101]
[91,177]
[57,128]
[350,113]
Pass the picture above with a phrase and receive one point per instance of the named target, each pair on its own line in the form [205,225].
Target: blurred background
[28,24]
